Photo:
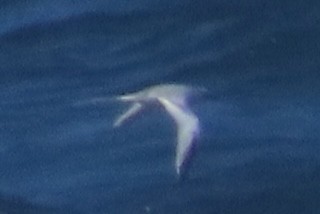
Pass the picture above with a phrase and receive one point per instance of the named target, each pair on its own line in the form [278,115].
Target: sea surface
[260,140]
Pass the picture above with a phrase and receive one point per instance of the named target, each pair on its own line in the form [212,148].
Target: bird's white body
[174,99]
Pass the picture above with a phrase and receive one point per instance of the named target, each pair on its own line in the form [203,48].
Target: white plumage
[174,99]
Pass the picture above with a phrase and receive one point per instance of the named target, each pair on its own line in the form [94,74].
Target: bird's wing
[133,110]
[188,132]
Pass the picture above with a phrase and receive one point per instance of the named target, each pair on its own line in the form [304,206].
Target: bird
[174,99]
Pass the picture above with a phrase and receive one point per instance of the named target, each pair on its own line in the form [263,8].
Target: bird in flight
[174,99]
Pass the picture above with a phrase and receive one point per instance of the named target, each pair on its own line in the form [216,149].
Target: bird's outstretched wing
[188,132]
[133,110]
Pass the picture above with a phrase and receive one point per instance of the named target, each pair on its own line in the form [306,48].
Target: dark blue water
[259,149]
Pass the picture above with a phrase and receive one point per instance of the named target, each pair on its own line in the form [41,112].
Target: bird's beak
[126,98]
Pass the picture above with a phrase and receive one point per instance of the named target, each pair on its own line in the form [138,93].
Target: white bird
[174,99]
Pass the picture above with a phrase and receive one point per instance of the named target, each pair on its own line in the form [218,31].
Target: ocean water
[259,146]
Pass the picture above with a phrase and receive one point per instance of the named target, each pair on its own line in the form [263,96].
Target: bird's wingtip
[116,124]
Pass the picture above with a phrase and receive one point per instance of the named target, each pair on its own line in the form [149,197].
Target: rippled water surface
[259,148]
